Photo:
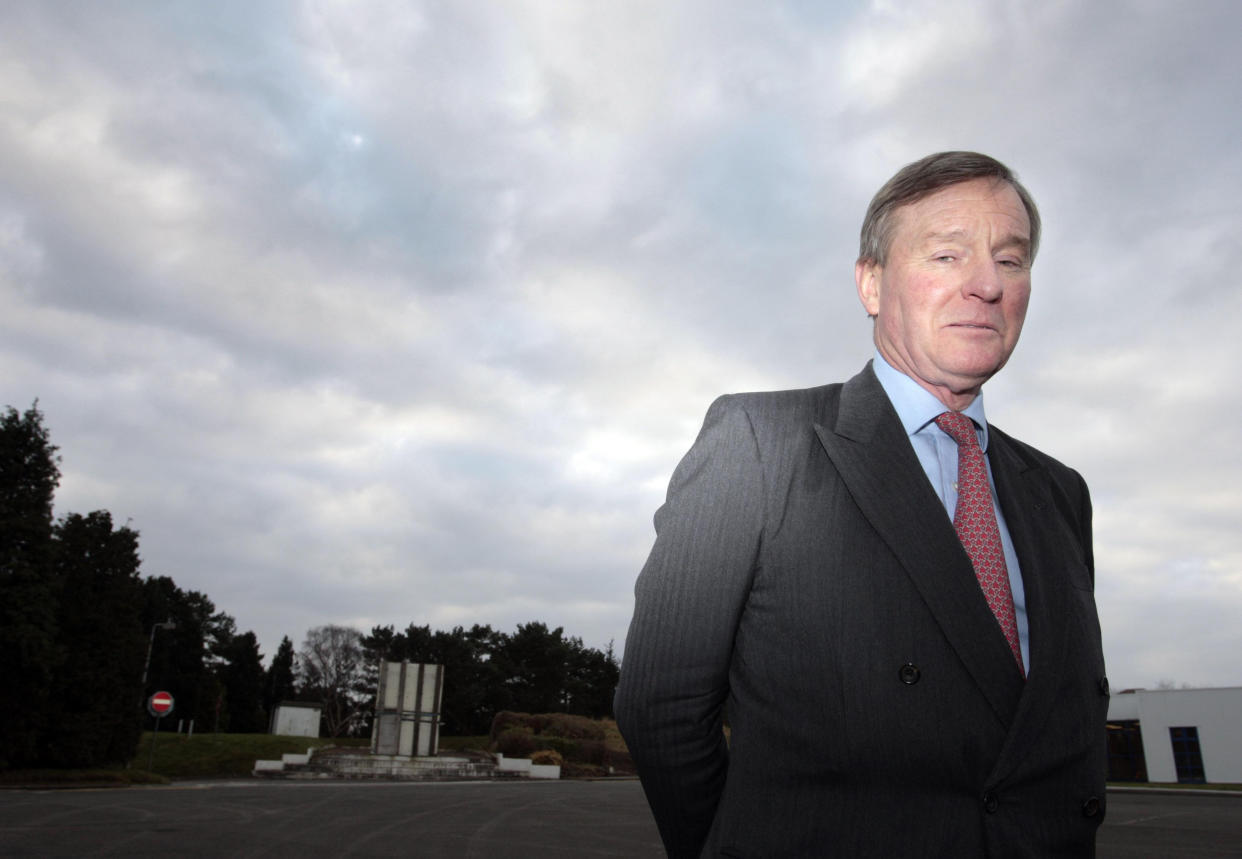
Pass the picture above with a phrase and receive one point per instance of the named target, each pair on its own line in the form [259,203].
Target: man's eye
[945,258]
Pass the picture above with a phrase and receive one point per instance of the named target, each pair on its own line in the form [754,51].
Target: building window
[1126,761]
[1186,755]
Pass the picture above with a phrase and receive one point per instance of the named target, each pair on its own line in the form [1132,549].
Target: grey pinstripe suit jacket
[806,577]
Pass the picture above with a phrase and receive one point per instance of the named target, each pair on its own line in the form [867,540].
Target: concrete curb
[1174,791]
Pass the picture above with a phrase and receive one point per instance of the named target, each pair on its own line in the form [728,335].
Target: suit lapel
[1025,495]
[870,450]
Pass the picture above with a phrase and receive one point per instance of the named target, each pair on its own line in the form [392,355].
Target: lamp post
[146,666]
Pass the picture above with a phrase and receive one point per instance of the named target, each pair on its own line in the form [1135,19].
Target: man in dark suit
[906,668]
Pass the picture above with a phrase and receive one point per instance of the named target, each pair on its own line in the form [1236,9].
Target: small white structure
[296,719]
[407,710]
[524,767]
[1176,735]
[286,760]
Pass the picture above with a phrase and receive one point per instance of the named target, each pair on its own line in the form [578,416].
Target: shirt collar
[916,406]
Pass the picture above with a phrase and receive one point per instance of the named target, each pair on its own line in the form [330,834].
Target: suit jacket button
[990,802]
[909,673]
[1091,807]
[1104,686]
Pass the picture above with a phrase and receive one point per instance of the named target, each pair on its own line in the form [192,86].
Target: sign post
[159,705]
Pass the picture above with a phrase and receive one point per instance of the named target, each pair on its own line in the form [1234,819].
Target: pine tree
[93,718]
[279,683]
[534,661]
[178,661]
[244,684]
[29,474]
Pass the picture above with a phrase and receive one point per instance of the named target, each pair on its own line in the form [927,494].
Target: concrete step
[341,764]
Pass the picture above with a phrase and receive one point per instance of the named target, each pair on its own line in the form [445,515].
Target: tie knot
[959,427]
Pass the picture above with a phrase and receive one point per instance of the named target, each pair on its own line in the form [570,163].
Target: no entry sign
[160,704]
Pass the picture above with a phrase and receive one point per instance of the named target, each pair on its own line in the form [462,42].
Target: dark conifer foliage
[29,475]
[279,681]
[535,670]
[92,718]
[243,676]
[76,620]
[178,655]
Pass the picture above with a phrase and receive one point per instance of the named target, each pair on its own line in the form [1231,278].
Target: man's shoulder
[860,395]
[786,400]
[787,408]
[1031,455]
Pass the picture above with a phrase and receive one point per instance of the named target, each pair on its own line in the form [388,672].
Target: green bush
[516,742]
[507,719]
[587,747]
[569,749]
[571,727]
[548,725]
[594,752]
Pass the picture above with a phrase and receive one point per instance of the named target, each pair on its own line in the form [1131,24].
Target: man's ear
[867,279]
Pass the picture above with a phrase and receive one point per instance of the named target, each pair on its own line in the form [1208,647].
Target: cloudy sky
[391,312]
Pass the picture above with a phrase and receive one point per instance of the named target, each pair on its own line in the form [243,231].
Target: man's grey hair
[924,178]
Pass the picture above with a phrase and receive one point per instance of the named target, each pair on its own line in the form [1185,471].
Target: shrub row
[578,742]
[548,725]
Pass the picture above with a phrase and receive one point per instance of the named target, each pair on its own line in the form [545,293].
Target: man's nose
[985,280]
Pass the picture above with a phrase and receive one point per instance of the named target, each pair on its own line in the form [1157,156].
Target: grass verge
[205,756]
[223,755]
[78,778]
[465,744]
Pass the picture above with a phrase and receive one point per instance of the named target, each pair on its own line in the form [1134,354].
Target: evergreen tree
[178,655]
[593,677]
[211,710]
[472,687]
[93,718]
[383,644]
[279,681]
[533,662]
[244,685]
[472,692]
[190,660]
[535,670]
[219,629]
[29,475]
[418,643]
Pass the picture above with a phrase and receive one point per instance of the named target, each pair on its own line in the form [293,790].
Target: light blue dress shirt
[937,452]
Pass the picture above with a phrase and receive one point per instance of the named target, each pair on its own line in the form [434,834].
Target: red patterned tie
[975,523]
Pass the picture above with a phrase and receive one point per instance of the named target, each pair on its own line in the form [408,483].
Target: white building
[1175,735]
[296,719]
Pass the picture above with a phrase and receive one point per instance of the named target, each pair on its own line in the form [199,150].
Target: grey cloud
[408,315]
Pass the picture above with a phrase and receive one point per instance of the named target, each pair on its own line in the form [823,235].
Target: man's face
[950,301]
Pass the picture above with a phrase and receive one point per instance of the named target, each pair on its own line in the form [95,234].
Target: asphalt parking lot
[1171,825]
[464,819]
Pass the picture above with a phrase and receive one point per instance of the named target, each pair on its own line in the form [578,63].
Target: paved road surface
[1171,826]
[468,819]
